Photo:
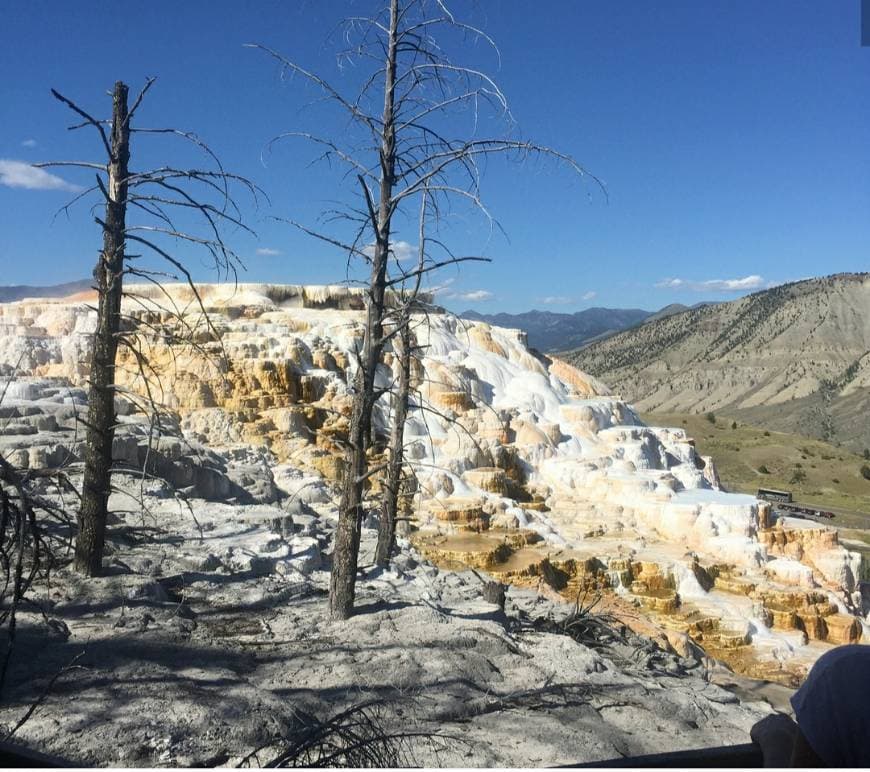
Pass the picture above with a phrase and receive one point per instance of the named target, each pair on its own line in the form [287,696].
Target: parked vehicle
[769,494]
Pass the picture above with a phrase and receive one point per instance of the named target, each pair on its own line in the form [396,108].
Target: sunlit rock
[503,443]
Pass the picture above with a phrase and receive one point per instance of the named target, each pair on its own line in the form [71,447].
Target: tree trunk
[101,394]
[393,481]
[345,554]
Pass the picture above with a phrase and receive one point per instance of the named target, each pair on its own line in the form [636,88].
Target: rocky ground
[208,639]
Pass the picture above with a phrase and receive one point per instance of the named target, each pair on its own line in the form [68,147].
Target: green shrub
[798,476]
[867,454]
[711,418]
[835,480]
[734,424]
[763,469]
[767,433]
[865,472]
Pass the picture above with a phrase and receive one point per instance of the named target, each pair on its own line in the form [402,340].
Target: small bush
[867,454]
[365,735]
[798,476]
[711,418]
[835,480]
[865,472]
[763,469]
[734,424]
[767,433]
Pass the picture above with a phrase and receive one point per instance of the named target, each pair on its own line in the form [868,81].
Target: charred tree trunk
[393,481]
[108,274]
[345,554]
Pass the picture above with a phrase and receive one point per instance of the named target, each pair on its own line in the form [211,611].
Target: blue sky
[732,136]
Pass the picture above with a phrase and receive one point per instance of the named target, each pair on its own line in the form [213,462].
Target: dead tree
[403,347]
[397,150]
[160,194]
[346,551]
[109,276]
[35,536]
[393,477]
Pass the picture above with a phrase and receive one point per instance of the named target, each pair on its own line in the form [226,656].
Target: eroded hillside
[795,358]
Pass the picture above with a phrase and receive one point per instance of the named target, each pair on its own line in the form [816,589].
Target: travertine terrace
[526,467]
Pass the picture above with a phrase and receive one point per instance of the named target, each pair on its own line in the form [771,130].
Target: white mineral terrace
[521,442]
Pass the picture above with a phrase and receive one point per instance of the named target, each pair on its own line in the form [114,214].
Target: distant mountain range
[549,331]
[794,358]
[12,292]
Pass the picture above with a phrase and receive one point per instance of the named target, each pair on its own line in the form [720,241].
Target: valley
[752,457]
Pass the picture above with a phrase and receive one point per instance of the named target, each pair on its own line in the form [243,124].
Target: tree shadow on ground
[123,677]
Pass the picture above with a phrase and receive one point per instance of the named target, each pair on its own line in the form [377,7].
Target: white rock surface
[192,654]
[642,491]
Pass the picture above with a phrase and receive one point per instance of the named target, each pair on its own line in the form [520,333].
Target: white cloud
[715,285]
[556,300]
[402,250]
[18,174]
[443,288]
[29,143]
[474,295]
[269,252]
[591,295]
[445,291]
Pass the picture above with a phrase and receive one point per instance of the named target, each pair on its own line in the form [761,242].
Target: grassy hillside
[749,457]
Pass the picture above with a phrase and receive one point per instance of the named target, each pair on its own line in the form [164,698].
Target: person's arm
[776,735]
[802,754]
